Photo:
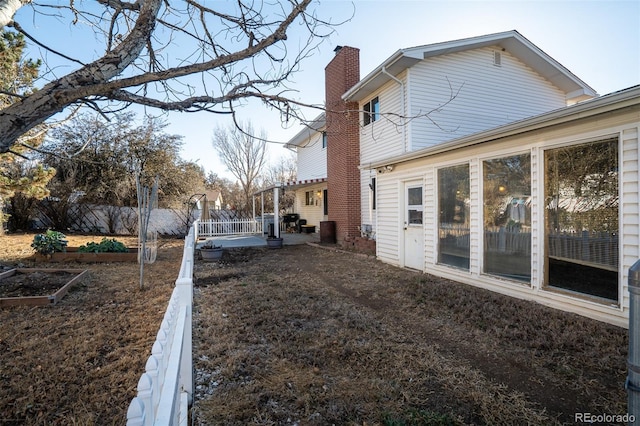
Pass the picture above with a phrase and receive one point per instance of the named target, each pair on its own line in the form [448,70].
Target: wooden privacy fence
[508,241]
[210,228]
[599,249]
[165,389]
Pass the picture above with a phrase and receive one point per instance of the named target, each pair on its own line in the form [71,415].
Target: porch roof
[292,184]
[305,182]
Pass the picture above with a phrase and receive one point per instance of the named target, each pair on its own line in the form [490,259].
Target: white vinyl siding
[430,215]
[486,96]
[312,159]
[383,137]
[387,235]
[630,206]
[368,217]
[389,211]
[537,225]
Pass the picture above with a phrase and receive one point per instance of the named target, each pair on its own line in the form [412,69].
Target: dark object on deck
[308,229]
[301,223]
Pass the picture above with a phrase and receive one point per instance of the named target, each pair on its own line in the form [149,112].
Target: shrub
[105,246]
[49,242]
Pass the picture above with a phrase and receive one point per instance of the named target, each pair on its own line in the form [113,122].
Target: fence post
[633,378]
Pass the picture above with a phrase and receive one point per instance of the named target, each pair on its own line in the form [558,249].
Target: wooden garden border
[71,255]
[51,299]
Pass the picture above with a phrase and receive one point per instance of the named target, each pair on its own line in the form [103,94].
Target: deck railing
[165,389]
[210,228]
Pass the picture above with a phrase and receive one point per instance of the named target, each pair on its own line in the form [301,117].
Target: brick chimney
[343,145]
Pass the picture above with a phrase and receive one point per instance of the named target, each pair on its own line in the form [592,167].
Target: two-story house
[486,161]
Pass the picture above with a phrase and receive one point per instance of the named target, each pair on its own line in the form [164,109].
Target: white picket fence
[212,228]
[165,389]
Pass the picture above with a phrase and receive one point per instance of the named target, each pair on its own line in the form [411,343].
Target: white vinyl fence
[165,389]
[212,228]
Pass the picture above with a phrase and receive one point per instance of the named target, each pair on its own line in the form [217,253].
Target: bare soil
[315,336]
[38,283]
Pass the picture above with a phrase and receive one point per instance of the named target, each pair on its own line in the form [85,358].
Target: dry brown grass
[78,362]
[310,336]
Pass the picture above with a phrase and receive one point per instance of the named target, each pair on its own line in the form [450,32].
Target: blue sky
[598,40]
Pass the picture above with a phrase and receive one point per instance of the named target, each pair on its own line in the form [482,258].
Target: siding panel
[385,137]
[312,159]
[630,208]
[485,95]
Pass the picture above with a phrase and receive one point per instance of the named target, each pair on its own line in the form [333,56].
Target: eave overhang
[511,41]
[303,136]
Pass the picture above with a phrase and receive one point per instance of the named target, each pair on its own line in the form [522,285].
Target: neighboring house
[214,199]
[310,145]
[486,161]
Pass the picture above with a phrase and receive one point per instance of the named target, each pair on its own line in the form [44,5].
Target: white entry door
[413,227]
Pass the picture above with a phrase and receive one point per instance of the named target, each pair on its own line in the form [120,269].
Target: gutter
[381,69]
[623,99]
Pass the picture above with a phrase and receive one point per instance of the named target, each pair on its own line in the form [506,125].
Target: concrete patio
[235,241]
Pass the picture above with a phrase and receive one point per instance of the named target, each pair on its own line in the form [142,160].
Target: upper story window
[324,139]
[371,111]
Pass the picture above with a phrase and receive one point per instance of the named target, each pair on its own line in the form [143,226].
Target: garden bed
[37,287]
[72,255]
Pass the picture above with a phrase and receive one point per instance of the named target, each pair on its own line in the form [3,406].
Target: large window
[453,223]
[581,218]
[507,217]
[371,111]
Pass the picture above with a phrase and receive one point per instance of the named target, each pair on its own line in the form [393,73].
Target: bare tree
[243,154]
[236,50]
[284,170]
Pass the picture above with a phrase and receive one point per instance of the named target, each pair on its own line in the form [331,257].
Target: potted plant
[274,242]
[210,252]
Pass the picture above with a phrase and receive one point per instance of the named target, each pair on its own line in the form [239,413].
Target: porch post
[276,208]
[253,201]
[262,210]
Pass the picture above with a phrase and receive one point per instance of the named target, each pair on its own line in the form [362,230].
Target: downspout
[405,142]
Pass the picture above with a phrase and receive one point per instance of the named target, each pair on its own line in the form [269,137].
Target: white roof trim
[512,41]
[311,128]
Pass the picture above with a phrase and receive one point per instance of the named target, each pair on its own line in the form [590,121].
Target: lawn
[309,336]
[312,336]
[79,362]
